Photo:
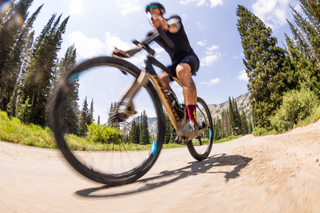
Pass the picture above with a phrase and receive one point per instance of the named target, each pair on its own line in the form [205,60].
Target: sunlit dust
[5,6]
[16,21]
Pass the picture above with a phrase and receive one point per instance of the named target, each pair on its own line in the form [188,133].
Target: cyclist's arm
[174,24]
[128,53]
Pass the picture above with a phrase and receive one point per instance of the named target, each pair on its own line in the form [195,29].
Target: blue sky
[96,27]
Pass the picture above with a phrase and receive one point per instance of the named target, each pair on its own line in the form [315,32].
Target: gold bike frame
[148,73]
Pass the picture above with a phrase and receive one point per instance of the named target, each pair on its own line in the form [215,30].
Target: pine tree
[244,123]
[144,132]
[13,36]
[134,134]
[222,124]
[231,117]
[70,113]
[91,112]
[110,115]
[83,119]
[98,122]
[169,129]
[305,50]
[266,66]
[250,128]
[40,71]
[237,116]
[14,104]
[138,128]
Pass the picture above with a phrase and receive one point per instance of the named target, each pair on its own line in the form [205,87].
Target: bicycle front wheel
[200,146]
[110,153]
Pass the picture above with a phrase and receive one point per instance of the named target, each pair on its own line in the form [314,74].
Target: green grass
[14,131]
[230,138]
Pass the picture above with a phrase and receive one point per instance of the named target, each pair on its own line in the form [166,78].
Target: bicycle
[147,79]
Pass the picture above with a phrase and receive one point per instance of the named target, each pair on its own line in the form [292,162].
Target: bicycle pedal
[117,118]
[180,140]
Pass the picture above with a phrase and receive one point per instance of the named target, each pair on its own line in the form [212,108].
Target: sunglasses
[153,6]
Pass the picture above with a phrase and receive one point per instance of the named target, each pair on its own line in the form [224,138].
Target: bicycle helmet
[155,5]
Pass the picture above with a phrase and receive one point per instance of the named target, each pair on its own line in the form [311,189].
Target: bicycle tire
[56,123]
[191,146]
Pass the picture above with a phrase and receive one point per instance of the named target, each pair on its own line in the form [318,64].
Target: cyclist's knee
[183,71]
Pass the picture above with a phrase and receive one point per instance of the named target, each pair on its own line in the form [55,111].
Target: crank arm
[202,130]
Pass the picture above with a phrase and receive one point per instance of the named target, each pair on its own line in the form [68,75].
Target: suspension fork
[126,100]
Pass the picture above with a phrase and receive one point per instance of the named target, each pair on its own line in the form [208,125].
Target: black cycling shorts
[192,60]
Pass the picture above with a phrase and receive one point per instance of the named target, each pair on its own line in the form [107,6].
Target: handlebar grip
[165,38]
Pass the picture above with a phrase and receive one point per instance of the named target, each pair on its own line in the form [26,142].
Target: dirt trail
[278,173]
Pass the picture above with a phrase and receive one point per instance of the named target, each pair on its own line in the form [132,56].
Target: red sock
[192,113]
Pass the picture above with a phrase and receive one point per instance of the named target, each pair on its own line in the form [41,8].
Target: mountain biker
[185,63]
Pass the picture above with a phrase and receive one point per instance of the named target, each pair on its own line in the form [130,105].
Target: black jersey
[180,40]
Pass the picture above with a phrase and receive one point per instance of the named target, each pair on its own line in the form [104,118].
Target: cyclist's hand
[119,53]
[158,21]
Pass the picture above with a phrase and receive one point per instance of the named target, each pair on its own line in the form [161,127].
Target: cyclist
[185,63]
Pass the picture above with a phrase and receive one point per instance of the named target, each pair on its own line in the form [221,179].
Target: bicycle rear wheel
[116,162]
[200,146]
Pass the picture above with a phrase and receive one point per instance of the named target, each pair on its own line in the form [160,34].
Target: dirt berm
[279,173]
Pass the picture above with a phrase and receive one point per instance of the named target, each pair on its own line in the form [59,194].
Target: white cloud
[211,57]
[243,76]
[213,47]
[273,12]
[92,47]
[238,56]
[129,6]
[215,3]
[208,60]
[113,41]
[201,26]
[212,82]
[202,43]
[86,47]
[211,3]
[76,8]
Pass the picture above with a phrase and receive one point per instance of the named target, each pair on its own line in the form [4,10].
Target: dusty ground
[278,173]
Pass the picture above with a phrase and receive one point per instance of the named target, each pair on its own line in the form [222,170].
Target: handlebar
[145,44]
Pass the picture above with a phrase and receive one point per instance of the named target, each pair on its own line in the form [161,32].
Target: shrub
[258,131]
[25,112]
[4,116]
[103,134]
[296,106]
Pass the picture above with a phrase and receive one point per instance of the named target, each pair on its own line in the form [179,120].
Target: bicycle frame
[147,73]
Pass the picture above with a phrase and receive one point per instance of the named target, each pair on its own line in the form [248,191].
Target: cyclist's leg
[188,86]
[187,67]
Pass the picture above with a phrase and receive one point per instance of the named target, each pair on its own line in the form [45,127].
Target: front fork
[125,107]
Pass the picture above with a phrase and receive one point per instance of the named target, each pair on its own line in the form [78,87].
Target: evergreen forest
[30,69]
